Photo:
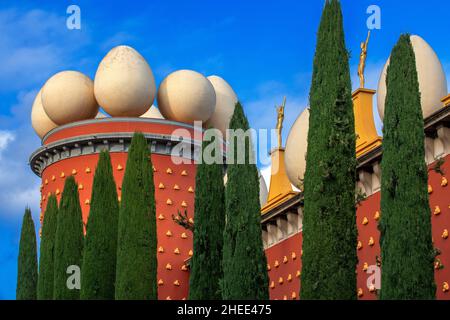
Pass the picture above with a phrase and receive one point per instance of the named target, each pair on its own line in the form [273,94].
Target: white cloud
[38,44]
[19,187]
[5,138]
[262,114]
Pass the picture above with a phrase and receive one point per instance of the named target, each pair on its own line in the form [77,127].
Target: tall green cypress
[244,261]
[206,264]
[136,247]
[100,247]
[46,259]
[68,243]
[27,272]
[406,242]
[329,225]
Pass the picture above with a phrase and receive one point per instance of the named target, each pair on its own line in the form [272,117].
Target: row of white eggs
[432,86]
[124,86]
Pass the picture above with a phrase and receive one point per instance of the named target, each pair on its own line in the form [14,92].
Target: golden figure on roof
[280,118]
[362,61]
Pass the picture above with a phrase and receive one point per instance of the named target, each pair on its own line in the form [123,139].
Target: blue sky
[264,49]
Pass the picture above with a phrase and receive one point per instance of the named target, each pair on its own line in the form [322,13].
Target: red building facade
[73,150]
[282,224]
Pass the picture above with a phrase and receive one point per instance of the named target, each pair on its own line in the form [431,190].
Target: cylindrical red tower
[73,149]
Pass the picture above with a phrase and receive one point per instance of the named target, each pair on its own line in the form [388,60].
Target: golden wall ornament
[360,292]
[359,246]
[365,221]
[437,210]
[365,266]
[377,216]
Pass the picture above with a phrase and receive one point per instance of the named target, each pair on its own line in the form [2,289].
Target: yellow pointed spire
[280,188]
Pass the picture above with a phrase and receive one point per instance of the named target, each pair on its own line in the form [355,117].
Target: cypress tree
[100,247]
[27,273]
[406,242]
[329,225]
[46,259]
[136,247]
[206,263]
[68,243]
[244,261]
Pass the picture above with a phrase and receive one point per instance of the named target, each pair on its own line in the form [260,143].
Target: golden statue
[362,61]
[280,118]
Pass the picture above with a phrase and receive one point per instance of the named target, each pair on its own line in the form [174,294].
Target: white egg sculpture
[153,112]
[296,147]
[263,192]
[68,96]
[226,100]
[186,96]
[124,84]
[431,75]
[40,121]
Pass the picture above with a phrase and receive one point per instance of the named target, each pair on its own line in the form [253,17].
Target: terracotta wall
[174,191]
[368,247]
[284,266]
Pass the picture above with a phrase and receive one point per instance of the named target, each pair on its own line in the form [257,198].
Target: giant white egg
[68,96]
[153,112]
[431,75]
[263,192]
[124,84]
[40,121]
[296,147]
[226,100]
[186,96]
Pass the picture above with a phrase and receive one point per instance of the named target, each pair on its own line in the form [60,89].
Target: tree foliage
[136,268]
[407,253]
[100,251]
[47,250]
[206,263]
[68,243]
[244,261]
[329,225]
[27,273]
